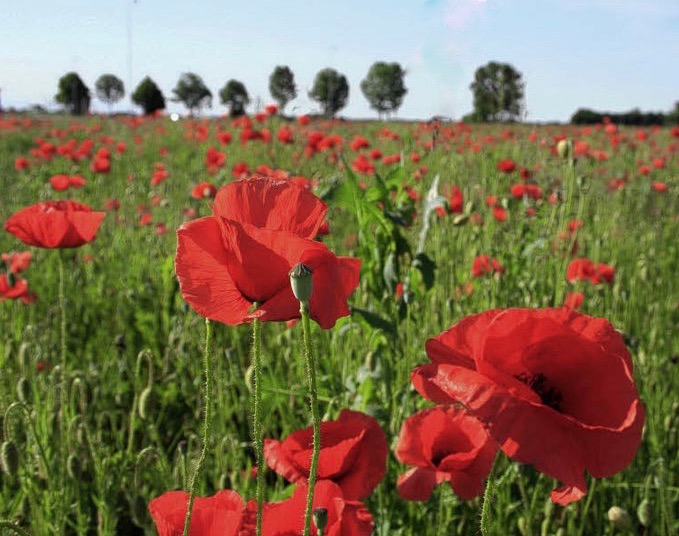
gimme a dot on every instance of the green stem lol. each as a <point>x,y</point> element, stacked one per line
<point>63,402</point>
<point>257,419</point>
<point>206,424</point>
<point>313,396</point>
<point>486,516</point>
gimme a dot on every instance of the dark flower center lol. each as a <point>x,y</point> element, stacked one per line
<point>549,395</point>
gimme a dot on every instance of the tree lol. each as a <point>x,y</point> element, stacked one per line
<point>192,91</point>
<point>331,90</point>
<point>235,96</point>
<point>282,85</point>
<point>498,93</point>
<point>148,96</point>
<point>73,94</point>
<point>109,88</point>
<point>383,87</point>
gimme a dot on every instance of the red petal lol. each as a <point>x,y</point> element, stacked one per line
<point>416,484</point>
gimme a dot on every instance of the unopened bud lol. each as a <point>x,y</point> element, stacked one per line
<point>73,467</point>
<point>9,458</point>
<point>565,148</point>
<point>147,403</point>
<point>320,518</point>
<point>301,281</point>
<point>619,518</point>
<point>645,513</point>
<point>24,390</point>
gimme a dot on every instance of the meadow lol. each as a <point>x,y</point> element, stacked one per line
<point>420,204</point>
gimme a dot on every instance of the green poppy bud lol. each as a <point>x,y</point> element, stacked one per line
<point>301,281</point>
<point>147,403</point>
<point>645,513</point>
<point>73,467</point>
<point>565,148</point>
<point>9,458</point>
<point>24,390</point>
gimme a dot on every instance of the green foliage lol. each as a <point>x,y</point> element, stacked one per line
<point>330,90</point>
<point>635,117</point>
<point>73,94</point>
<point>235,96</point>
<point>383,87</point>
<point>282,85</point>
<point>148,96</point>
<point>498,93</point>
<point>109,88</point>
<point>192,92</point>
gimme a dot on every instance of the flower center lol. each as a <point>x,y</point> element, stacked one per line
<point>549,395</point>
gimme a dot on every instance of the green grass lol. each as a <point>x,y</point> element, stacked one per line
<point>127,293</point>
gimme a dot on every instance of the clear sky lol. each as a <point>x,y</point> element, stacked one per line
<point>604,54</point>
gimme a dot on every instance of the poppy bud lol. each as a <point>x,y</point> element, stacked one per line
<point>301,281</point>
<point>521,524</point>
<point>9,458</point>
<point>24,390</point>
<point>619,518</point>
<point>147,403</point>
<point>645,513</point>
<point>565,148</point>
<point>224,481</point>
<point>21,355</point>
<point>320,518</point>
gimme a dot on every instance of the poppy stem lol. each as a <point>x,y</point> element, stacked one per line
<point>313,396</point>
<point>206,424</point>
<point>63,398</point>
<point>257,419</point>
<point>486,516</point>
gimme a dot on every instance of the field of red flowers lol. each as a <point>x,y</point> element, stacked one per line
<point>282,326</point>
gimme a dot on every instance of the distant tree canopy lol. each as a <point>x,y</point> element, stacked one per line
<point>73,94</point>
<point>192,92</point>
<point>584,116</point>
<point>498,93</point>
<point>148,96</point>
<point>109,88</point>
<point>330,90</point>
<point>235,96</point>
<point>672,118</point>
<point>383,87</point>
<point>282,85</point>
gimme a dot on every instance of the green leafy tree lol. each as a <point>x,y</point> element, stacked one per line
<point>330,90</point>
<point>192,92</point>
<point>148,96</point>
<point>73,94</point>
<point>383,87</point>
<point>235,96</point>
<point>498,93</point>
<point>672,118</point>
<point>109,88</point>
<point>282,85</point>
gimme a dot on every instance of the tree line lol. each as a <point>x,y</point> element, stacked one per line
<point>497,88</point>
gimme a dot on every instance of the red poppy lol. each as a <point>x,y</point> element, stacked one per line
<point>506,166</point>
<point>17,262</point>
<point>214,159</point>
<point>261,228</point>
<point>659,186</point>
<point>583,269</point>
<point>21,164</point>
<point>221,514</point>
<point>15,288</point>
<point>100,164</point>
<point>485,265</point>
<point>353,454</point>
<point>500,214</point>
<point>553,387</point>
<point>445,444</point>
<point>285,135</point>
<point>574,300</point>
<point>55,224</point>
<point>203,190</point>
<point>456,200</point>
<point>345,517</point>
<point>224,137</point>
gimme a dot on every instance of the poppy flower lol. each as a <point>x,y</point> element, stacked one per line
<point>261,228</point>
<point>345,516</point>
<point>55,224</point>
<point>285,135</point>
<point>554,388</point>
<point>506,166</point>
<point>500,214</point>
<point>16,262</point>
<point>15,288</point>
<point>353,454</point>
<point>574,300</point>
<point>21,164</point>
<point>456,200</point>
<point>485,265</point>
<point>221,514</point>
<point>659,186</point>
<point>214,159</point>
<point>203,190</point>
<point>445,444</point>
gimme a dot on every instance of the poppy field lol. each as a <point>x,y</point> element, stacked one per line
<point>271,325</point>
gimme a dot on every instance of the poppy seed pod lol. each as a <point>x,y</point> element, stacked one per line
<point>320,518</point>
<point>301,281</point>
<point>9,458</point>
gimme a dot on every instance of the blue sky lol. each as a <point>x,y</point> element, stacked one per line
<point>604,54</point>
